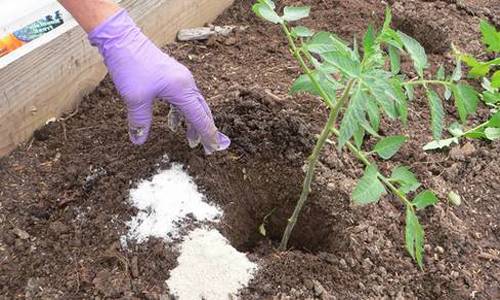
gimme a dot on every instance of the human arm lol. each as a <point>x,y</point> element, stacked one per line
<point>143,73</point>
<point>90,13</point>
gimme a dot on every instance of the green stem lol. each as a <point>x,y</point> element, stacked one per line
<point>306,188</point>
<point>480,126</point>
<point>305,68</point>
<point>312,161</point>
<point>362,157</point>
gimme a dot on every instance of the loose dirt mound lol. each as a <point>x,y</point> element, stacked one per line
<point>64,195</point>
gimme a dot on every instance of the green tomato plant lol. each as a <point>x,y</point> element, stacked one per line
<point>358,90</point>
<point>489,74</point>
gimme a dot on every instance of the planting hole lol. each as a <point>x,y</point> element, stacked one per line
<point>270,145</point>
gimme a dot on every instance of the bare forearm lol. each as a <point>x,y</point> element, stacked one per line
<point>90,13</point>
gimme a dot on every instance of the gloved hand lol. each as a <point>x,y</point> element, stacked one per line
<point>143,73</point>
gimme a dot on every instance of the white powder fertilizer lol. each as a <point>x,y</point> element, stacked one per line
<point>165,200</point>
<point>209,268</point>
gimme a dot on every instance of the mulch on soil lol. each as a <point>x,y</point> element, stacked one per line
<point>64,195</point>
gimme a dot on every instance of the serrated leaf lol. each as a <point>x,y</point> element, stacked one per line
<point>354,113</point>
<point>323,42</point>
<point>368,128</point>
<point>457,72</point>
<point>387,18</point>
<point>387,147</point>
<point>383,92</point>
<point>469,60</point>
<point>495,80</point>
<point>491,97</point>
<point>479,70</point>
<point>294,13</point>
<point>440,73</point>
<point>424,199</point>
<point>440,144</point>
<point>491,37</point>
<point>414,237</point>
<point>466,99</point>
<point>359,135</point>
<point>343,63</point>
<point>494,121</point>
<point>395,59</point>
<point>387,34</point>
<point>373,114</point>
<point>265,10</point>
<point>369,188</point>
<point>492,133</point>
<point>369,43</point>
<point>456,129</point>
<point>304,84</point>
<point>400,99</point>
<point>437,114</point>
<point>301,31</point>
<point>410,92</point>
<point>407,181</point>
<point>416,51</point>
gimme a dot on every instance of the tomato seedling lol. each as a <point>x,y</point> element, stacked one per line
<point>358,89</point>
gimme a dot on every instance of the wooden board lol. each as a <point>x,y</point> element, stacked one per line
<point>53,78</point>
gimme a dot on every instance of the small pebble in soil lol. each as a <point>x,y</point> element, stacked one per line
<point>439,249</point>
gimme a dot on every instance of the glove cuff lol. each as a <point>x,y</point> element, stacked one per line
<point>113,30</point>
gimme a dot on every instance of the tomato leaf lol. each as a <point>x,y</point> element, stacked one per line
<point>407,181</point>
<point>354,113</point>
<point>491,37</point>
<point>387,147</point>
<point>294,13</point>
<point>301,31</point>
<point>495,120</point>
<point>466,99</point>
<point>265,10</point>
<point>439,144</point>
<point>369,188</point>
<point>416,51</point>
<point>369,42</point>
<point>492,133</point>
<point>424,199</point>
<point>414,236</point>
<point>437,114</point>
<point>395,59</point>
<point>495,80</point>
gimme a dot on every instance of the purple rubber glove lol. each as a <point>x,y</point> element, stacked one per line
<point>143,73</point>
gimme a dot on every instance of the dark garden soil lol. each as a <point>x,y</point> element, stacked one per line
<point>64,195</point>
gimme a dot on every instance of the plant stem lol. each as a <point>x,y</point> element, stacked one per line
<point>305,68</point>
<point>306,187</point>
<point>387,182</point>
<point>312,161</point>
<point>480,126</point>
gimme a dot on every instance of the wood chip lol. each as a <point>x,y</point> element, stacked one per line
<point>203,33</point>
<point>23,235</point>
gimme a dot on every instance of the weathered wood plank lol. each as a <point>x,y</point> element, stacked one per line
<point>203,33</point>
<point>53,78</point>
